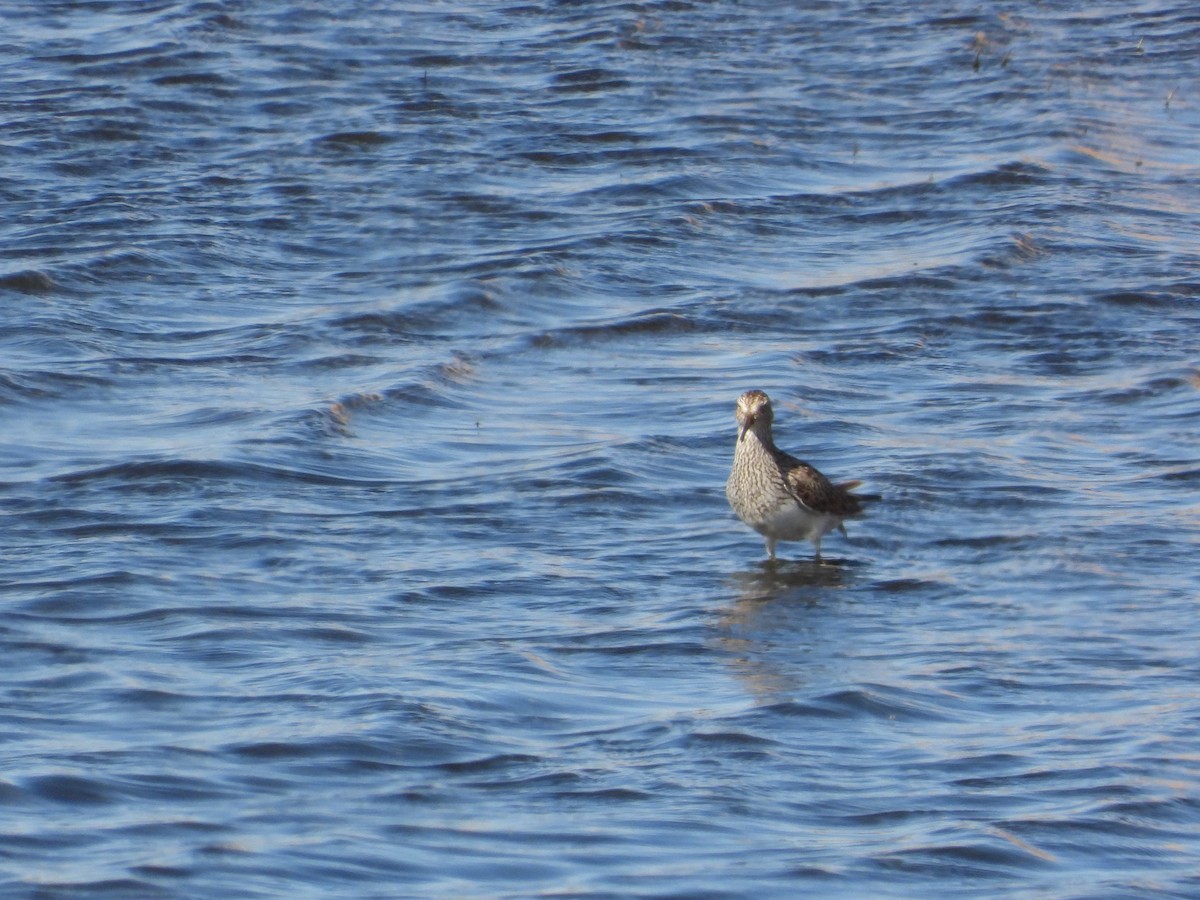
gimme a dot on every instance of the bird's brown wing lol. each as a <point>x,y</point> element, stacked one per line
<point>816,492</point>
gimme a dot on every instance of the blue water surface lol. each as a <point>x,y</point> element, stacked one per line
<point>367,375</point>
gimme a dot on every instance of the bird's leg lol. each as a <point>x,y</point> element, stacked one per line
<point>771,548</point>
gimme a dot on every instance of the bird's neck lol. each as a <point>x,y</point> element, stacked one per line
<point>758,439</point>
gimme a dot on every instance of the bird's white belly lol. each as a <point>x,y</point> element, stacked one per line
<point>792,522</point>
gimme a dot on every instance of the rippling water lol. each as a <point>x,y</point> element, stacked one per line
<point>366,380</point>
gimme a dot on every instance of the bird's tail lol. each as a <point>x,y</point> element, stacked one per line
<point>861,498</point>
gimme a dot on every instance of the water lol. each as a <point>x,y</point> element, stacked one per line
<point>367,377</point>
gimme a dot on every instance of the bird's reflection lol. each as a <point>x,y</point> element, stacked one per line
<point>777,579</point>
<point>778,623</point>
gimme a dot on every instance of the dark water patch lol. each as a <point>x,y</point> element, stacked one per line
<point>988,540</point>
<point>1180,810</point>
<point>170,476</point>
<point>885,706</point>
<point>336,636</point>
<point>353,140</point>
<point>158,871</point>
<point>1157,300</point>
<point>192,79</point>
<point>909,282</point>
<point>72,790</point>
<point>1089,780</point>
<point>648,324</point>
<point>69,595</point>
<point>632,646</point>
<point>424,321</point>
<point>1187,476</point>
<point>439,61</point>
<point>148,697</point>
<point>734,744</point>
<point>606,796</point>
<point>905,585</point>
<point>109,887</point>
<point>27,281</point>
<point>588,81</point>
<point>1154,389</point>
<point>1083,835</point>
<point>627,138</point>
<point>431,102</point>
<point>962,860</point>
<point>499,763</point>
<point>33,387</point>
<point>650,157</point>
<point>336,752</point>
<point>1013,174</point>
<point>818,709</point>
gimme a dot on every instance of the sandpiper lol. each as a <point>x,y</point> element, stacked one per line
<point>779,496</point>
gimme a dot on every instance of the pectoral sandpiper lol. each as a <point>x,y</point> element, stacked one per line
<point>779,496</point>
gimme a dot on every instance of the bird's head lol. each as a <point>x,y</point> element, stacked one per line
<point>753,411</point>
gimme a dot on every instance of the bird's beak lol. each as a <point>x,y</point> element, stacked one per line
<point>745,428</point>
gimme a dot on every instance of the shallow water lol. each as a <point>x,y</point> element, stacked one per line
<point>367,380</point>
